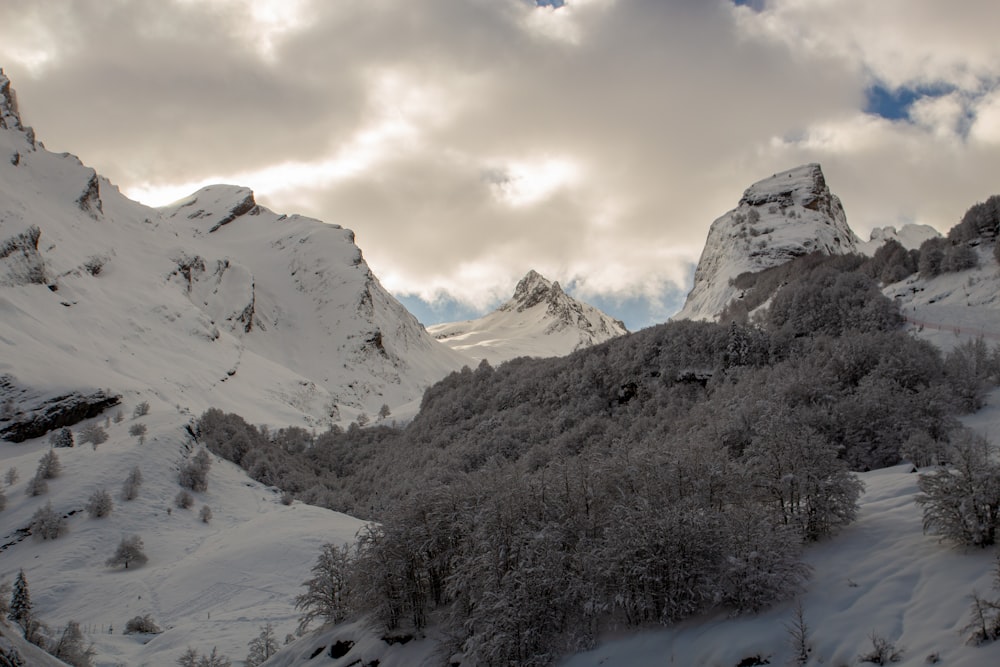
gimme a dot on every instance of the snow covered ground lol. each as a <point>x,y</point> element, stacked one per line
<point>206,584</point>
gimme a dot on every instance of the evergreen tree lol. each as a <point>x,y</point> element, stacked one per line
<point>49,466</point>
<point>20,602</point>
<point>130,488</point>
<point>36,486</point>
<point>189,658</point>
<point>61,438</point>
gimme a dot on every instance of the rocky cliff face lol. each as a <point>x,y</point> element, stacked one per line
<point>779,218</point>
<point>540,320</point>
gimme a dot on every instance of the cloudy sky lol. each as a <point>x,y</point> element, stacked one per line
<point>468,141</point>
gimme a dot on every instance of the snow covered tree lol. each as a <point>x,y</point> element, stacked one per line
<point>800,476</point>
<point>92,434</point>
<point>12,476</point>
<point>189,658</point>
<point>262,647</point>
<point>138,431</point>
<point>49,466</point>
<point>3,500</point>
<point>141,410</point>
<point>971,371</point>
<point>36,486</point>
<point>61,438</point>
<point>213,659</point>
<point>327,595</point>
<point>184,500</point>
<point>130,487</point>
<point>194,474</point>
<point>205,514</point>
<point>384,411</point>
<point>5,590</point>
<point>20,601</point>
<point>143,624</point>
<point>70,647</point>
<point>130,551</point>
<point>99,504</point>
<point>961,501</point>
<point>47,523</point>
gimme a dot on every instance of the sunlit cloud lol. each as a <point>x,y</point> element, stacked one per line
<point>525,183</point>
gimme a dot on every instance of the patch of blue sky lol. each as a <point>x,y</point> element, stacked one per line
<point>895,103</point>
<point>443,309</point>
<point>757,5</point>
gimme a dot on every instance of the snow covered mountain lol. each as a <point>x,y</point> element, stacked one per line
<point>779,218</point>
<point>540,320</point>
<point>214,300</point>
<point>106,304</point>
<point>909,236</point>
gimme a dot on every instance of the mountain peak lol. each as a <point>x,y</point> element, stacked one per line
<point>532,290</point>
<point>214,206</point>
<point>789,214</point>
<point>540,320</point>
<point>9,116</point>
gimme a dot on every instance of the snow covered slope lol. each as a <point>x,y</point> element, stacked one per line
<point>539,321</point>
<point>212,301</point>
<point>782,217</point>
<point>880,575</point>
<point>909,236</point>
<point>953,307</point>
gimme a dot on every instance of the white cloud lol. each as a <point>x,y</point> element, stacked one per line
<point>610,134</point>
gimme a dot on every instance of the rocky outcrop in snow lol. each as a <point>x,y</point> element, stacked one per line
<point>778,219</point>
<point>541,320</point>
<point>27,413</point>
<point>20,261</point>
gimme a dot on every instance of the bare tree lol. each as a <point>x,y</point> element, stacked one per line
<point>129,552</point>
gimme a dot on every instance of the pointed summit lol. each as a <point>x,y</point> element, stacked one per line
<point>790,214</point>
<point>532,290</point>
<point>10,117</point>
<point>541,320</point>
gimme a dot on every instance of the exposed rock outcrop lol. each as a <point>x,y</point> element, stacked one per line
<point>27,414</point>
<point>778,219</point>
<point>20,261</point>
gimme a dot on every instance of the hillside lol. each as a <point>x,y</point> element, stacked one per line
<point>212,301</point>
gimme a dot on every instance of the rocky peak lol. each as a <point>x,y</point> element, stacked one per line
<point>532,290</point>
<point>214,206</point>
<point>10,118</point>
<point>790,214</point>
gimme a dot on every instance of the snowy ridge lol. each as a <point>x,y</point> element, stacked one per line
<point>215,301</point>
<point>790,214</point>
<point>909,236</point>
<point>540,320</point>
<point>212,301</point>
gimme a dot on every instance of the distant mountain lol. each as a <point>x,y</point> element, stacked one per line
<point>540,320</point>
<point>779,218</point>
<point>214,300</point>
<point>909,236</point>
